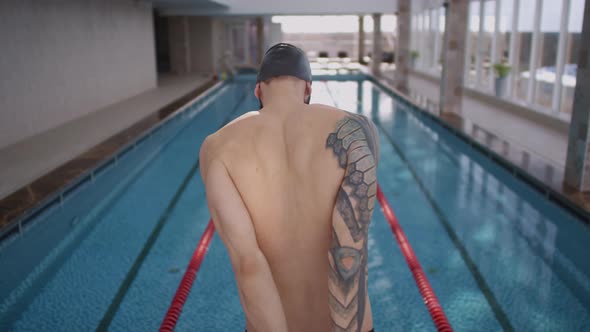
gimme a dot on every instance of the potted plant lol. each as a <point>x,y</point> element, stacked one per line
<point>414,56</point>
<point>502,71</point>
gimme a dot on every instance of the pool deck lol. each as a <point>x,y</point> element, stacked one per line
<point>33,169</point>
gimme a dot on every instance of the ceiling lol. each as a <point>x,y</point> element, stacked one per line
<point>274,7</point>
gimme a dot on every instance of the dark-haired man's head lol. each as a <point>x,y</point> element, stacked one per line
<point>284,69</point>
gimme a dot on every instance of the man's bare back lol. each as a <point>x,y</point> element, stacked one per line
<point>289,177</point>
<point>291,191</point>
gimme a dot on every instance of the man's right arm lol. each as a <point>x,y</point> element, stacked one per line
<point>355,144</point>
<point>258,291</point>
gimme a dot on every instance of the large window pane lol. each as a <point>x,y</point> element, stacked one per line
<point>548,48</point>
<point>505,26</point>
<point>440,37</point>
<point>525,33</point>
<point>486,70</point>
<point>415,37</point>
<point>471,43</point>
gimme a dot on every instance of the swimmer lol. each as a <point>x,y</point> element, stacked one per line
<point>291,190</point>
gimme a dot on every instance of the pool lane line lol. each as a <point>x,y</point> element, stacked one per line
<point>107,318</point>
<point>434,308</point>
<point>499,313</point>
<point>184,288</point>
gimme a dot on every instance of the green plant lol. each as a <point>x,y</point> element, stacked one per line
<point>502,69</point>
<point>414,54</point>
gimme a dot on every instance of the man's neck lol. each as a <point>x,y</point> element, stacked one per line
<point>283,96</point>
<point>283,104</point>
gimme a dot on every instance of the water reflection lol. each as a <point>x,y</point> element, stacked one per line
<point>511,232</point>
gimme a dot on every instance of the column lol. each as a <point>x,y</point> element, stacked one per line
<point>452,79</point>
<point>375,102</point>
<point>402,49</point>
<point>377,53</point>
<point>178,41</point>
<point>361,40</point>
<point>259,39</point>
<point>359,97</point>
<point>577,166</point>
<point>247,53</point>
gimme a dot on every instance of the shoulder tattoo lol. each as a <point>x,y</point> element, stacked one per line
<point>355,145</point>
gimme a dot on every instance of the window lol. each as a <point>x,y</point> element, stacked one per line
<point>440,34</point>
<point>471,43</point>
<point>539,39</point>
<point>426,43</point>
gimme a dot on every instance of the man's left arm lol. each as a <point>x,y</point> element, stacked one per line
<point>258,292</point>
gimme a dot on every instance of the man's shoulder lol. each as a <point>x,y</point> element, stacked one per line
<point>216,142</point>
<point>231,129</point>
<point>241,119</point>
<point>326,110</point>
<point>339,116</point>
<point>328,115</point>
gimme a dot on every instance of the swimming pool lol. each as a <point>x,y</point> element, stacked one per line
<point>110,255</point>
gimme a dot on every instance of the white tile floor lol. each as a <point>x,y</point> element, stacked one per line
<point>27,160</point>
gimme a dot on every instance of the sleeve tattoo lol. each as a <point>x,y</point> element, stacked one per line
<point>354,142</point>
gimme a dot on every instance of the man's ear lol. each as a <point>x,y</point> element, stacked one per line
<point>257,91</point>
<point>307,91</point>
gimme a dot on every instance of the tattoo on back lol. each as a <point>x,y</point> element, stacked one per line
<point>354,143</point>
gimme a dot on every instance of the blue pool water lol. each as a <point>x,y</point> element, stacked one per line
<point>498,254</point>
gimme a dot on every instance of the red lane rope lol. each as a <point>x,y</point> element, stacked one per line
<point>186,283</point>
<point>436,311</point>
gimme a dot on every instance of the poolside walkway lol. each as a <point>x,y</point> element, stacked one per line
<point>544,135</point>
<point>22,163</point>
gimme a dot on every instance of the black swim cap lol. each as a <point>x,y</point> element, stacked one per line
<point>284,60</point>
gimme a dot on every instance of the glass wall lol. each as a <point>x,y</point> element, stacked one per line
<point>471,43</point>
<point>334,38</point>
<point>533,43</point>
<point>486,37</point>
<point>523,49</point>
<point>537,39</point>
<point>427,33</point>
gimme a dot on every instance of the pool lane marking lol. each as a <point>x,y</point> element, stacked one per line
<point>184,288</point>
<point>434,308</point>
<point>499,313</point>
<point>107,318</point>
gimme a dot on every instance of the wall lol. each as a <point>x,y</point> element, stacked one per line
<point>64,59</point>
<point>200,45</point>
<point>274,7</point>
<point>196,44</point>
